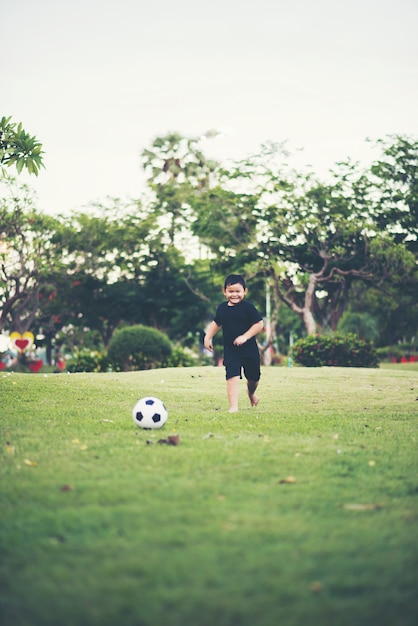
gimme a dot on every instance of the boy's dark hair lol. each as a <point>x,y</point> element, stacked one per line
<point>235,279</point>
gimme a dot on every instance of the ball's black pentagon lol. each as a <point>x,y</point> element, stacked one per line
<point>150,401</point>
<point>156,418</point>
<point>139,416</point>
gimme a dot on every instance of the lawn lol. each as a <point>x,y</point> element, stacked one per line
<point>302,511</point>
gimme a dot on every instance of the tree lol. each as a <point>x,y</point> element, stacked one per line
<point>18,148</point>
<point>118,269</point>
<point>313,239</point>
<point>174,166</point>
<point>396,182</point>
<point>328,236</point>
<point>394,313</point>
<point>27,256</point>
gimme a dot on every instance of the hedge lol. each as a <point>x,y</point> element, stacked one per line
<point>334,350</point>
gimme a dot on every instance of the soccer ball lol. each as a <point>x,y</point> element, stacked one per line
<point>149,413</point>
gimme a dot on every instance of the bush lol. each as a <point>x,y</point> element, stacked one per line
<point>138,348</point>
<point>334,350</point>
<point>181,357</point>
<point>88,361</point>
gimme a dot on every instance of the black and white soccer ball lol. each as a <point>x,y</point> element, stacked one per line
<point>149,413</point>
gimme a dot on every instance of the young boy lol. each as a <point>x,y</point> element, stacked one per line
<point>240,322</point>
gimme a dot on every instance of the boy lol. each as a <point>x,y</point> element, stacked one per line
<point>240,322</point>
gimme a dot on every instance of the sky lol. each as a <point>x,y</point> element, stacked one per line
<point>97,80</point>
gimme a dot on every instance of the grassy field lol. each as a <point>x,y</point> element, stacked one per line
<point>302,511</point>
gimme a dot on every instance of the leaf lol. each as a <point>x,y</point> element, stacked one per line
<point>172,440</point>
<point>289,480</point>
<point>30,463</point>
<point>19,165</point>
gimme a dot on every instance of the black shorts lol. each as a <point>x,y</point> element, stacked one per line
<point>251,366</point>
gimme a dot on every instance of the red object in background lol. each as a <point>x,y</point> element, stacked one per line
<point>404,359</point>
<point>22,344</point>
<point>61,364</point>
<point>2,365</point>
<point>35,366</point>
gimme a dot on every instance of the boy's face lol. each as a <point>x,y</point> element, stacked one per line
<point>235,293</point>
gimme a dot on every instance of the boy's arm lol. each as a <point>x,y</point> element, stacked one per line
<point>251,332</point>
<point>210,333</point>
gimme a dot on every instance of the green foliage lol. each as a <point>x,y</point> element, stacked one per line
<point>363,325</point>
<point>175,166</point>
<point>138,348</point>
<point>27,253</point>
<point>334,350</point>
<point>396,173</point>
<point>181,357</point>
<point>325,248</point>
<point>178,159</point>
<point>323,236</point>
<point>18,148</point>
<point>85,360</point>
<point>395,313</point>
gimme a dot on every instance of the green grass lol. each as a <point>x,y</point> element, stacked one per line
<point>99,527</point>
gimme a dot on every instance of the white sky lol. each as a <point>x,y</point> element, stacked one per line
<point>97,80</point>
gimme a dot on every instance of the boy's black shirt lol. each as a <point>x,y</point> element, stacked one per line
<point>235,321</point>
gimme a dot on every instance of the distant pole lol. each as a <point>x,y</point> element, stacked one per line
<point>267,353</point>
<point>289,358</point>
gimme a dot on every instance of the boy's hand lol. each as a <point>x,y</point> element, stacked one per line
<point>208,344</point>
<point>241,339</point>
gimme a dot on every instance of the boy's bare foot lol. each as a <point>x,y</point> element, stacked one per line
<point>251,387</point>
<point>233,410</point>
<point>254,400</point>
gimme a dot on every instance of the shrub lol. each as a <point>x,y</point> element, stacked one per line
<point>334,350</point>
<point>138,348</point>
<point>181,357</point>
<point>88,361</point>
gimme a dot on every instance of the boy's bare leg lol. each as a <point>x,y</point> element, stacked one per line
<point>232,388</point>
<point>251,387</point>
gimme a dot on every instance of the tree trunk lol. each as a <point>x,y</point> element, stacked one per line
<point>309,321</point>
<point>307,311</point>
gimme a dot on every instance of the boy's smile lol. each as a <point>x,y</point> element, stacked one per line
<point>234,294</point>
